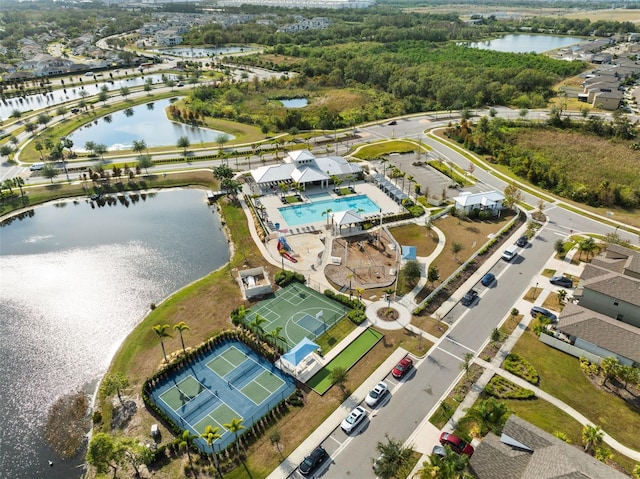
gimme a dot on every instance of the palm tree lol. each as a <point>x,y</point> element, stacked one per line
<point>326,212</point>
<point>139,146</point>
<point>393,460</point>
<point>587,245</point>
<point>338,376</point>
<point>210,435</point>
<point>388,292</point>
<point>609,367</point>
<point>466,362</point>
<point>636,472</point>
<point>275,335</point>
<point>186,441</point>
<point>450,466</point>
<point>184,143</point>
<point>384,162</point>
<point>234,427</point>
<point>256,325</point>
<point>591,437</point>
<point>489,415</point>
<point>181,326</point>
<point>161,331</point>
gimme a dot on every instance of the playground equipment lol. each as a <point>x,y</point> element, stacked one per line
<point>284,250</point>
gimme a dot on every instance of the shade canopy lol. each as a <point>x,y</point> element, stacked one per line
<point>408,252</point>
<point>300,351</point>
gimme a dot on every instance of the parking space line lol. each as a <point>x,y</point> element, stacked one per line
<point>450,354</point>
<point>459,344</point>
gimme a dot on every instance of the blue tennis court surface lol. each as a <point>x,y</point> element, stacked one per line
<point>231,381</point>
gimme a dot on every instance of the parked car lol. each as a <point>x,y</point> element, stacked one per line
<point>522,241</point>
<point>313,461</point>
<point>456,444</point>
<point>354,418</point>
<point>392,123</point>
<point>36,166</point>
<point>540,311</point>
<point>510,253</point>
<point>469,298</point>
<point>376,394</point>
<point>487,279</point>
<point>402,368</point>
<point>561,281</point>
<point>439,450</point>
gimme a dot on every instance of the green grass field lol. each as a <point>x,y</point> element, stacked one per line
<point>321,382</point>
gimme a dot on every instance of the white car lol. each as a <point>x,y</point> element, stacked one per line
<point>376,394</point>
<point>354,418</point>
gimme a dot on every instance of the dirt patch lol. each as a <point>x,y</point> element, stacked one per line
<point>366,261</point>
<point>388,314</point>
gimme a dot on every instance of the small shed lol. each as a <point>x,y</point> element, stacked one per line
<point>254,282</point>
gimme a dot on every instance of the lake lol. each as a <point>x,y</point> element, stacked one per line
<point>146,122</point>
<point>76,279</point>
<point>525,43</point>
<point>200,52</point>
<point>294,102</point>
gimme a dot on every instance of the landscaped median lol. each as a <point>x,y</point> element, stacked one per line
<point>323,379</point>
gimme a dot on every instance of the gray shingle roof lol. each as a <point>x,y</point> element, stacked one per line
<point>615,336</point>
<point>551,457</point>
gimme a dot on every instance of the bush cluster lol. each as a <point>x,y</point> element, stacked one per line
<point>284,277</point>
<point>519,366</point>
<point>502,388</point>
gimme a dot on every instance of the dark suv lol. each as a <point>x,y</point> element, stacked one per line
<point>313,461</point>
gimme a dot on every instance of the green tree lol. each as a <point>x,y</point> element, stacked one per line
<point>148,85</point>
<point>275,336</point>
<point>256,325</point>
<point>327,212</point>
<point>512,195</point>
<point>603,454</point>
<point>49,171</point>
<point>6,150</point>
<point>456,247</point>
<point>100,149</point>
<point>138,146</point>
<point>61,111</point>
<point>609,368</point>
<point>19,182</point>
<point>275,437</point>
<point>562,295</point>
<point>211,435</point>
<point>145,161</point>
<point>591,437</point>
<point>103,96</point>
<point>388,292</point>
<point>394,459</point>
<point>161,331</point>
<point>180,327</point>
<point>339,376</point>
<point>488,415</point>
<point>125,92</point>
<point>636,472</point>
<point>234,427</point>
<point>135,453</point>
<point>433,274</point>
<point>450,466</point>
<point>587,245</point>
<point>411,272</point>
<point>221,140</point>
<point>104,452</point>
<point>114,383</point>
<point>184,143</point>
<point>559,246</point>
<point>221,172</point>
<point>185,443</point>
<point>628,374</point>
<point>231,186</point>
<point>467,361</point>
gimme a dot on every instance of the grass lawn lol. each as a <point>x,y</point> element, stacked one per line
<point>335,334</point>
<point>561,376</point>
<point>385,148</point>
<point>421,237</point>
<point>321,381</point>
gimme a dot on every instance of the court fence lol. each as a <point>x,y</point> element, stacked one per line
<point>185,361</point>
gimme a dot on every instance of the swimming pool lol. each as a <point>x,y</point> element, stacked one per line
<point>296,215</point>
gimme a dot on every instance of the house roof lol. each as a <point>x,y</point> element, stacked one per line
<point>615,336</point>
<point>308,174</point>
<point>347,217</point>
<point>321,169</point>
<point>337,165</point>
<point>484,198</point>
<point>547,457</point>
<point>269,173</point>
<point>610,282</point>
<point>297,155</point>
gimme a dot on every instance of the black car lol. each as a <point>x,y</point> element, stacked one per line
<point>469,298</point>
<point>540,311</point>
<point>561,281</point>
<point>312,461</point>
<point>522,241</point>
<point>392,123</point>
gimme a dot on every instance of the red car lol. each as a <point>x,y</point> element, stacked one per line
<point>402,368</point>
<point>456,444</point>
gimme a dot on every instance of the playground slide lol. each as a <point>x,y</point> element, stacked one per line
<point>288,256</point>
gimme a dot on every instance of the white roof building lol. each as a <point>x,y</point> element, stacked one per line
<point>304,168</point>
<point>487,200</point>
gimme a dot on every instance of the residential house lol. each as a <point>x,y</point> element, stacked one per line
<point>524,451</point>
<point>485,201</point>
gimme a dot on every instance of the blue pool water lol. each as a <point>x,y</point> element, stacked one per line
<point>312,212</point>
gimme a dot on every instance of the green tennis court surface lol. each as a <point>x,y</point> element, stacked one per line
<point>231,359</point>
<point>299,311</point>
<point>223,414</point>
<point>321,381</point>
<point>182,392</point>
<point>262,387</point>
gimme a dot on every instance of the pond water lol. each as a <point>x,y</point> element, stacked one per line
<point>525,43</point>
<point>294,103</point>
<point>76,279</point>
<point>146,122</point>
<point>57,97</point>
<point>199,52</point>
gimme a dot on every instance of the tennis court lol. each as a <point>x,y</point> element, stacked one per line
<point>229,382</point>
<point>300,312</point>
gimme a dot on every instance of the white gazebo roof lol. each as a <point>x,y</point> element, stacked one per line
<point>307,174</point>
<point>273,173</point>
<point>348,217</point>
